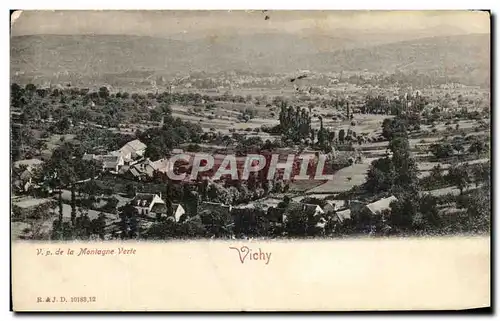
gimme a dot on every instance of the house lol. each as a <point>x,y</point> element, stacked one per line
<point>133,149</point>
<point>161,165</point>
<point>321,224</point>
<point>175,216</point>
<point>331,206</point>
<point>379,206</point>
<point>158,209</point>
<point>343,215</point>
<point>310,209</point>
<point>144,202</point>
<point>144,169</point>
<point>178,211</point>
<point>91,157</point>
<point>112,163</point>
<point>24,170</point>
<point>23,181</point>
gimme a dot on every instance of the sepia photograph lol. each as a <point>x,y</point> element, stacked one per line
<point>247,126</point>
<point>273,128</point>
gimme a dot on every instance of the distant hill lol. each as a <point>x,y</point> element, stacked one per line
<point>90,59</point>
<point>465,55</point>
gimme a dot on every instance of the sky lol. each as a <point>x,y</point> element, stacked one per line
<point>167,23</point>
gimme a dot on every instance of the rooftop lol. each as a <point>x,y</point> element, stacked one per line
<point>344,215</point>
<point>381,204</point>
<point>136,145</point>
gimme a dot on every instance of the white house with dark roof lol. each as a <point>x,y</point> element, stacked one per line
<point>112,163</point>
<point>144,202</point>
<point>133,149</point>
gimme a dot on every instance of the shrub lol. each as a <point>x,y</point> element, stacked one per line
<point>193,148</point>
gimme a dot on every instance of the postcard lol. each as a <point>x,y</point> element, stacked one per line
<point>257,160</point>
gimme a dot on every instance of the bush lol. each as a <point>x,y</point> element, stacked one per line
<point>194,148</point>
<point>441,150</point>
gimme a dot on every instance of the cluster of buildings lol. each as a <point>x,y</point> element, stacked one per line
<point>152,205</point>
<point>130,153</point>
<point>129,160</point>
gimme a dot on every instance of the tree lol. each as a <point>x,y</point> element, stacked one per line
<point>405,167</point>
<point>73,206</point>
<point>161,230</point>
<point>436,174</point>
<point>478,147</point>
<point>83,226</point>
<point>59,225</point>
<point>441,151</point>
<point>403,212</point>
<point>341,136</point>
<point>387,128</point>
<point>479,211</point>
<point>129,222</point>
<point>62,126</point>
<point>394,127</point>
<point>380,175</point>
<point>458,145</point>
<point>130,189</point>
<point>428,209</point>
<point>459,176</point>
<point>251,222</point>
<point>30,88</point>
<point>99,225</point>
<point>216,224</point>
<point>103,92</point>
<point>313,200</point>
<point>300,223</point>
<point>297,223</point>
